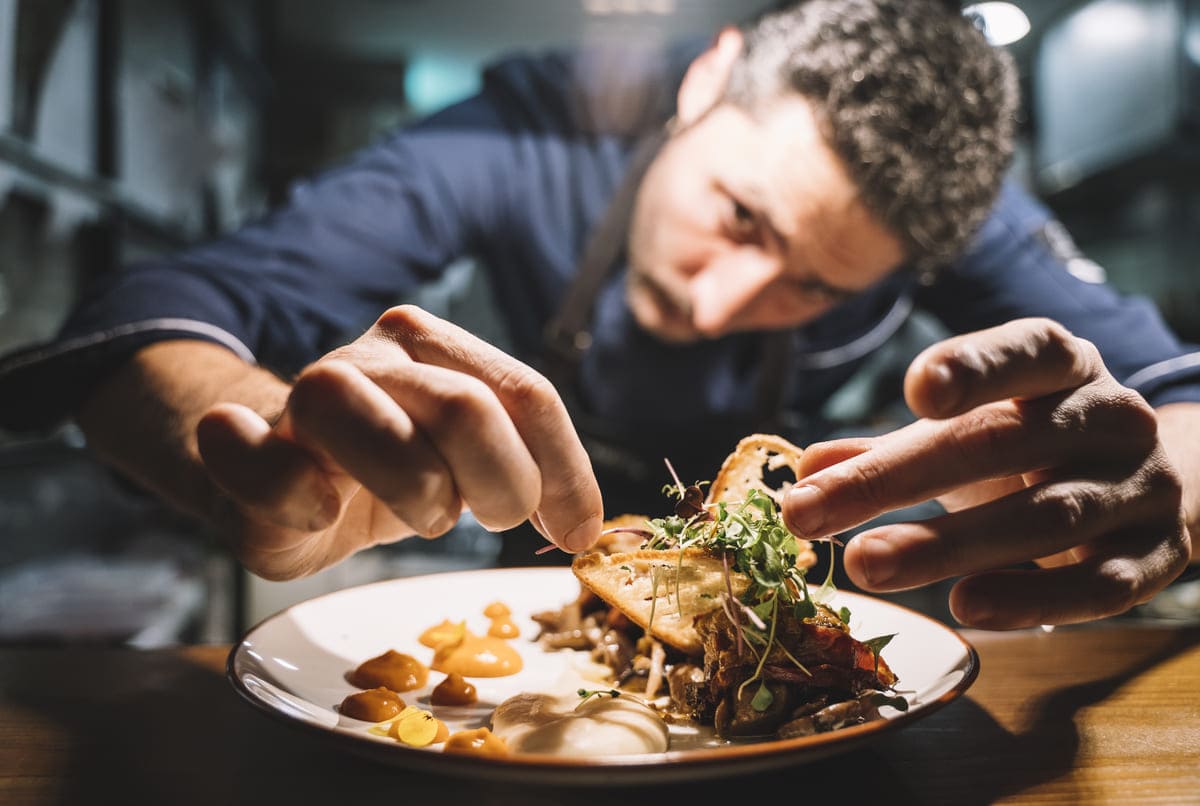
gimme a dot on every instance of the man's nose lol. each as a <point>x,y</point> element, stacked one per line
<point>725,288</point>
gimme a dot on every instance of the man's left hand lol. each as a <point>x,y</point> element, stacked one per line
<point>1037,454</point>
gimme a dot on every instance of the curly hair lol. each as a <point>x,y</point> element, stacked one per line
<point>911,96</point>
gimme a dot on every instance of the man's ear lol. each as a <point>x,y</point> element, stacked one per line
<point>706,77</point>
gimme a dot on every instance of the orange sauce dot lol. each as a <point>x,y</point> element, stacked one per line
<point>477,656</point>
<point>373,705</point>
<point>480,742</point>
<point>393,670</point>
<point>454,690</point>
<point>503,627</point>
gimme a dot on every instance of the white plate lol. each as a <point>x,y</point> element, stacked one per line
<point>293,667</point>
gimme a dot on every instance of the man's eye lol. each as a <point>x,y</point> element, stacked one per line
<point>743,223</point>
<point>820,292</point>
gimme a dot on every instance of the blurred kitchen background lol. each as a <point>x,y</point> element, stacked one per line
<point>130,127</point>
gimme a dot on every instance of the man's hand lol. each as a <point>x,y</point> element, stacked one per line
<point>390,436</point>
<point>1037,454</point>
<point>394,435</point>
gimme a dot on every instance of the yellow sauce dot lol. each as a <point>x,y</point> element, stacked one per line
<point>415,727</point>
<point>447,631</point>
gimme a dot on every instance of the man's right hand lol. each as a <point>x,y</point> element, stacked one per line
<point>390,436</point>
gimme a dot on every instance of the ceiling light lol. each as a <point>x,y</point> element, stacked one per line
<point>1001,23</point>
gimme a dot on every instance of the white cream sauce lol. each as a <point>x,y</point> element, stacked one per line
<point>567,725</point>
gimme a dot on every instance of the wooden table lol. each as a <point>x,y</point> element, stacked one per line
<point>1098,714</point>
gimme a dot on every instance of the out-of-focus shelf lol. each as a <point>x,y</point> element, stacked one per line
<point>25,159</point>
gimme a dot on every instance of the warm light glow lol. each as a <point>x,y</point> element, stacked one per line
<point>1002,23</point>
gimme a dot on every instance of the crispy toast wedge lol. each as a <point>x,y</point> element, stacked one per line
<point>664,591</point>
<point>660,591</point>
<point>745,469</point>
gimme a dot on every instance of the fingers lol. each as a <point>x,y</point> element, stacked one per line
<point>1050,459</point>
<point>419,436</point>
<point>1127,570</point>
<point>916,463</point>
<point>394,434</point>
<point>1026,358</point>
<point>569,505</point>
<point>821,455</point>
<point>272,477</point>
<point>1048,518</point>
<point>931,458</point>
<point>281,503</point>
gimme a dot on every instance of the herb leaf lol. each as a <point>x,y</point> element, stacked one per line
<point>752,538</point>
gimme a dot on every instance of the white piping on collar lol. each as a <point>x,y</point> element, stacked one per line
<point>212,332</point>
<point>873,339</point>
<point>1157,370</point>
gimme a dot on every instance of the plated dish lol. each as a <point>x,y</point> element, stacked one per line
<point>294,667</point>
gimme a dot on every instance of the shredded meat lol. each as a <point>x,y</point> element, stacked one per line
<point>820,678</point>
<point>831,717</point>
<point>833,667</point>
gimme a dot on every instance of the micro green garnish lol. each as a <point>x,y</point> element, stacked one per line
<point>763,697</point>
<point>827,589</point>
<point>879,699</point>
<point>587,694</point>
<point>876,646</point>
<point>655,575</point>
<point>805,609</point>
<point>750,537</point>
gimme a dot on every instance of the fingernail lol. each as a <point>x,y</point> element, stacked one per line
<point>976,614</point>
<point>878,558</point>
<point>946,393</point>
<point>805,513</point>
<point>584,535</point>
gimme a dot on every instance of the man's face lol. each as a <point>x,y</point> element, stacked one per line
<point>749,221</point>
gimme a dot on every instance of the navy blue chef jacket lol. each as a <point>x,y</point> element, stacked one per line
<point>516,177</point>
